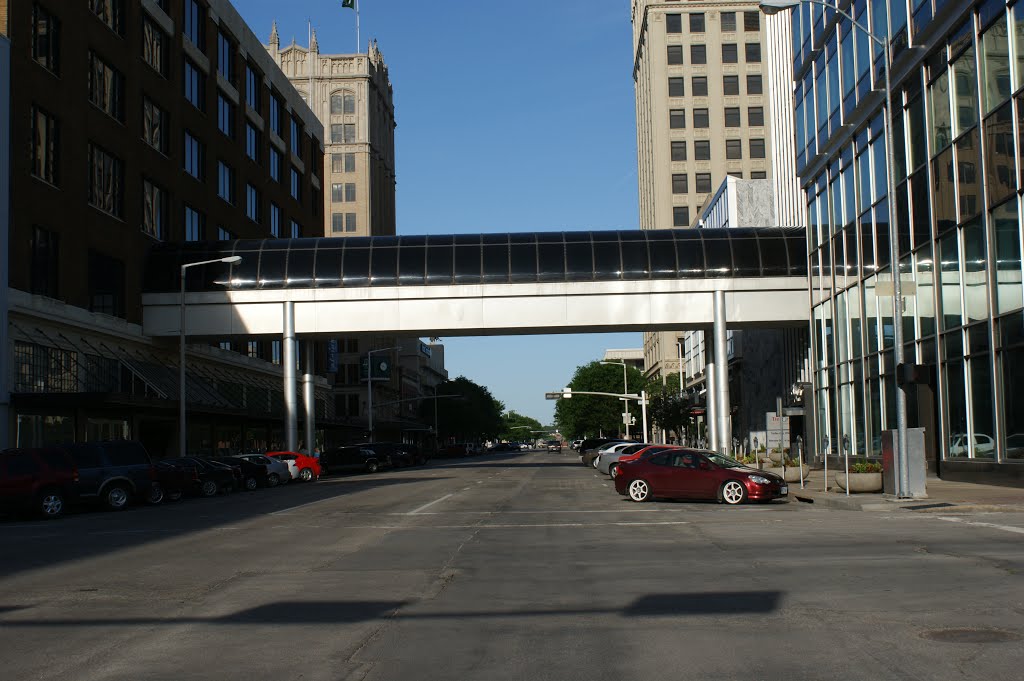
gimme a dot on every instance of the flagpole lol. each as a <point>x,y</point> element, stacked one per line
<point>358,41</point>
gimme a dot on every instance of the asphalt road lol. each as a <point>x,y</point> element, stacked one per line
<point>525,567</point>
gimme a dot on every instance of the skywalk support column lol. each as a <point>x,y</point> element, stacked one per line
<point>291,413</point>
<point>722,408</point>
<point>308,396</point>
<point>710,402</point>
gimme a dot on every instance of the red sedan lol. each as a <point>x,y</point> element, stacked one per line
<point>696,474</point>
<point>308,467</point>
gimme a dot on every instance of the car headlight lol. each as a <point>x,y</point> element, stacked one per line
<point>760,480</point>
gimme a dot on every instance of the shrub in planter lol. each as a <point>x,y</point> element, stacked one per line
<point>865,476</point>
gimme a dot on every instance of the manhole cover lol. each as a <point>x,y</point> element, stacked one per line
<point>970,635</point>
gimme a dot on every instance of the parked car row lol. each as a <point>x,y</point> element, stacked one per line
<point>644,471</point>
<point>369,457</point>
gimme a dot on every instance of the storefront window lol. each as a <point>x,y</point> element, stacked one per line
<point>35,430</point>
<point>975,271</point>
<point>1012,375</point>
<point>925,276</point>
<point>97,430</point>
<point>871,313</point>
<point>949,282</point>
<point>956,411</point>
<point>995,65</point>
<point>1008,267</point>
<point>981,406</point>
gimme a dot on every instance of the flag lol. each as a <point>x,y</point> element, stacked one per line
<point>351,4</point>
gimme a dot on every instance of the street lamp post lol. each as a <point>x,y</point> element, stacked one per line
<point>369,389</point>
<point>625,389</point>
<point>231,259</point>
<point>770,7</point>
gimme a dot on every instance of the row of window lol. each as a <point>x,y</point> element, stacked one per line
<point>105,287</point>
<point>727,22</point>
<point>702,150</point>
<point>699,54</point>
<point>701,117</point>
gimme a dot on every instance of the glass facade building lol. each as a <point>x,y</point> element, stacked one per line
<point>957,77</point>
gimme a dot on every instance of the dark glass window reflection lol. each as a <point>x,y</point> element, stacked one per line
<point>467,264</point>
<point>746,257</point>
<point>690,255</point>
<point>551,262</point>
<point>327,272</point>
<point>635,264</point>
<point>411,264</point>
<point>579,260</point>
<point>272,268</point>
<point>607,259</point>
<point>355,268</point>
<point>774,256</point>
<point>383,266</point>
<point>523,258</point>
<point>495,263</point>
<point>300,267</point>
<point>440,260</point>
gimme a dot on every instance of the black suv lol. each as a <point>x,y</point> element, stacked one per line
<point>354,458</point>
<point>115,473</point>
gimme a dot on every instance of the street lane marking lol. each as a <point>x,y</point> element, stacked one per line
<point>508,526</point>
<point>428,505</point>
<point>1005,528</point>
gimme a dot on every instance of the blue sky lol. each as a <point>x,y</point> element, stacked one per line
<point>512,117</point>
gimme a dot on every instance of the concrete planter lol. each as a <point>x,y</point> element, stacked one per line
<point>790,474</point>
<point>860,482</point>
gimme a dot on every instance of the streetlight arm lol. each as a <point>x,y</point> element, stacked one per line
<point>772,7</point>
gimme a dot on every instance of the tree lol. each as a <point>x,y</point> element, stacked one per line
<point>516,427</point>
<point>590,415</point>
<point>668,409</point>
<point>471,414</point>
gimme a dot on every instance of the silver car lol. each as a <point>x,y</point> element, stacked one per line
<point>277,471</point>
<point>611,454</point>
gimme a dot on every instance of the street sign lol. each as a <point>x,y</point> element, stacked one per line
<point>552,396</point>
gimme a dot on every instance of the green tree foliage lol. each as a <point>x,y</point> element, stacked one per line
<point>518,428</point>
<point>668,410</point>
<point>588,415</point>
<point>472,415</point>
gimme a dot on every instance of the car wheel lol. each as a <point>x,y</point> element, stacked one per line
<point>155,496</point>
<point>273,480</point>
<point>116,497</point>
<point>733,493</point>
<point>174,495</point>
<point>209,488</point>
<point>251,484</point>
<point>639,490</point>
<point>305,475</point>
<point>372,467</point>
<point>51,504</point>
<point>613,470</point>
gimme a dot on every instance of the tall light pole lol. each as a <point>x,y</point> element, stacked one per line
<point>369,389</point>
<point>770,7</point>
<point>231,259</point>
<point>625,389</point>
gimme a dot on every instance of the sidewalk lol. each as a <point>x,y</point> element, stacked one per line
<point>943,497</point>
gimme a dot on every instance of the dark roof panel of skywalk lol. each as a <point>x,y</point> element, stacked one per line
<point>435,260</point>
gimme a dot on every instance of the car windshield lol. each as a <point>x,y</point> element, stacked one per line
<point>723,461</point>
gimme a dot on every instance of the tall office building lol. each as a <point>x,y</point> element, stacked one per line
<point>351,95</point>
<point>140,123</point>
<point>958,99</point>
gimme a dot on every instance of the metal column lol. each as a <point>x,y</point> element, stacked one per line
<point>710,386</point>
<point>722,409</point>
<point>5,350</point>
<point>291,413</point>
<point>308,397</point>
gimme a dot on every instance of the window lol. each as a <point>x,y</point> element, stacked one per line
<point>296,184</point>
<point>276,111</point>
<point>349,103</point>
<point>253,141</point>
<point>226,57</point>
<point>680,183</point>
<point>673,23</point>
<point>676,87</point>
<point>350,133</point>
<point>728,20</point>
<point>757,148</point>
<point>106,285</point>
<point>700,86</point>
<point>677,119</point>
<point>106,178</point>
<point>337,192</point>
<point>45,146</point>
<point>698,54</point>
<point>195,156</point>
<point>678,150</point>
<point>224,235</point>
<point>680,216</point>
<point>758,175</point>
<point>296,230</point>
<point>296,137</point>
<point>154,125</point>
<point>350,222</point>
<point>275,164</point>
<point>195,86</point>
<point>195,23</point>
<point>45,262</point>
<point>696,22</point>
<point>195,224</point>
<point>226,182</point>
<point>337,223</point>
<point>751,21</point>
<point>734,149</point>
<point>702,150</point>
<point>703,183</point>
<point>337,133</point>
<point>729,53</point>
<point>275,220</point>
<point>252,203</point>
<point>732,117</point>
<point>753,53</point>
<point>730,85</point>
<point>154,46</point>
<point>700,118</point>
<point>106,87</point>
<point>755,116</point>
<point>45,39</point>
<point>343,163</point>
<point>110,12</point>
<point>225,116</point>
<point>754,85</point>
<point>154,209</point>
<point>253,85</point>
<point>674,55</point>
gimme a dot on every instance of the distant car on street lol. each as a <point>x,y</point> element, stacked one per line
<point>554,445</point>
<point>307,466</point>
